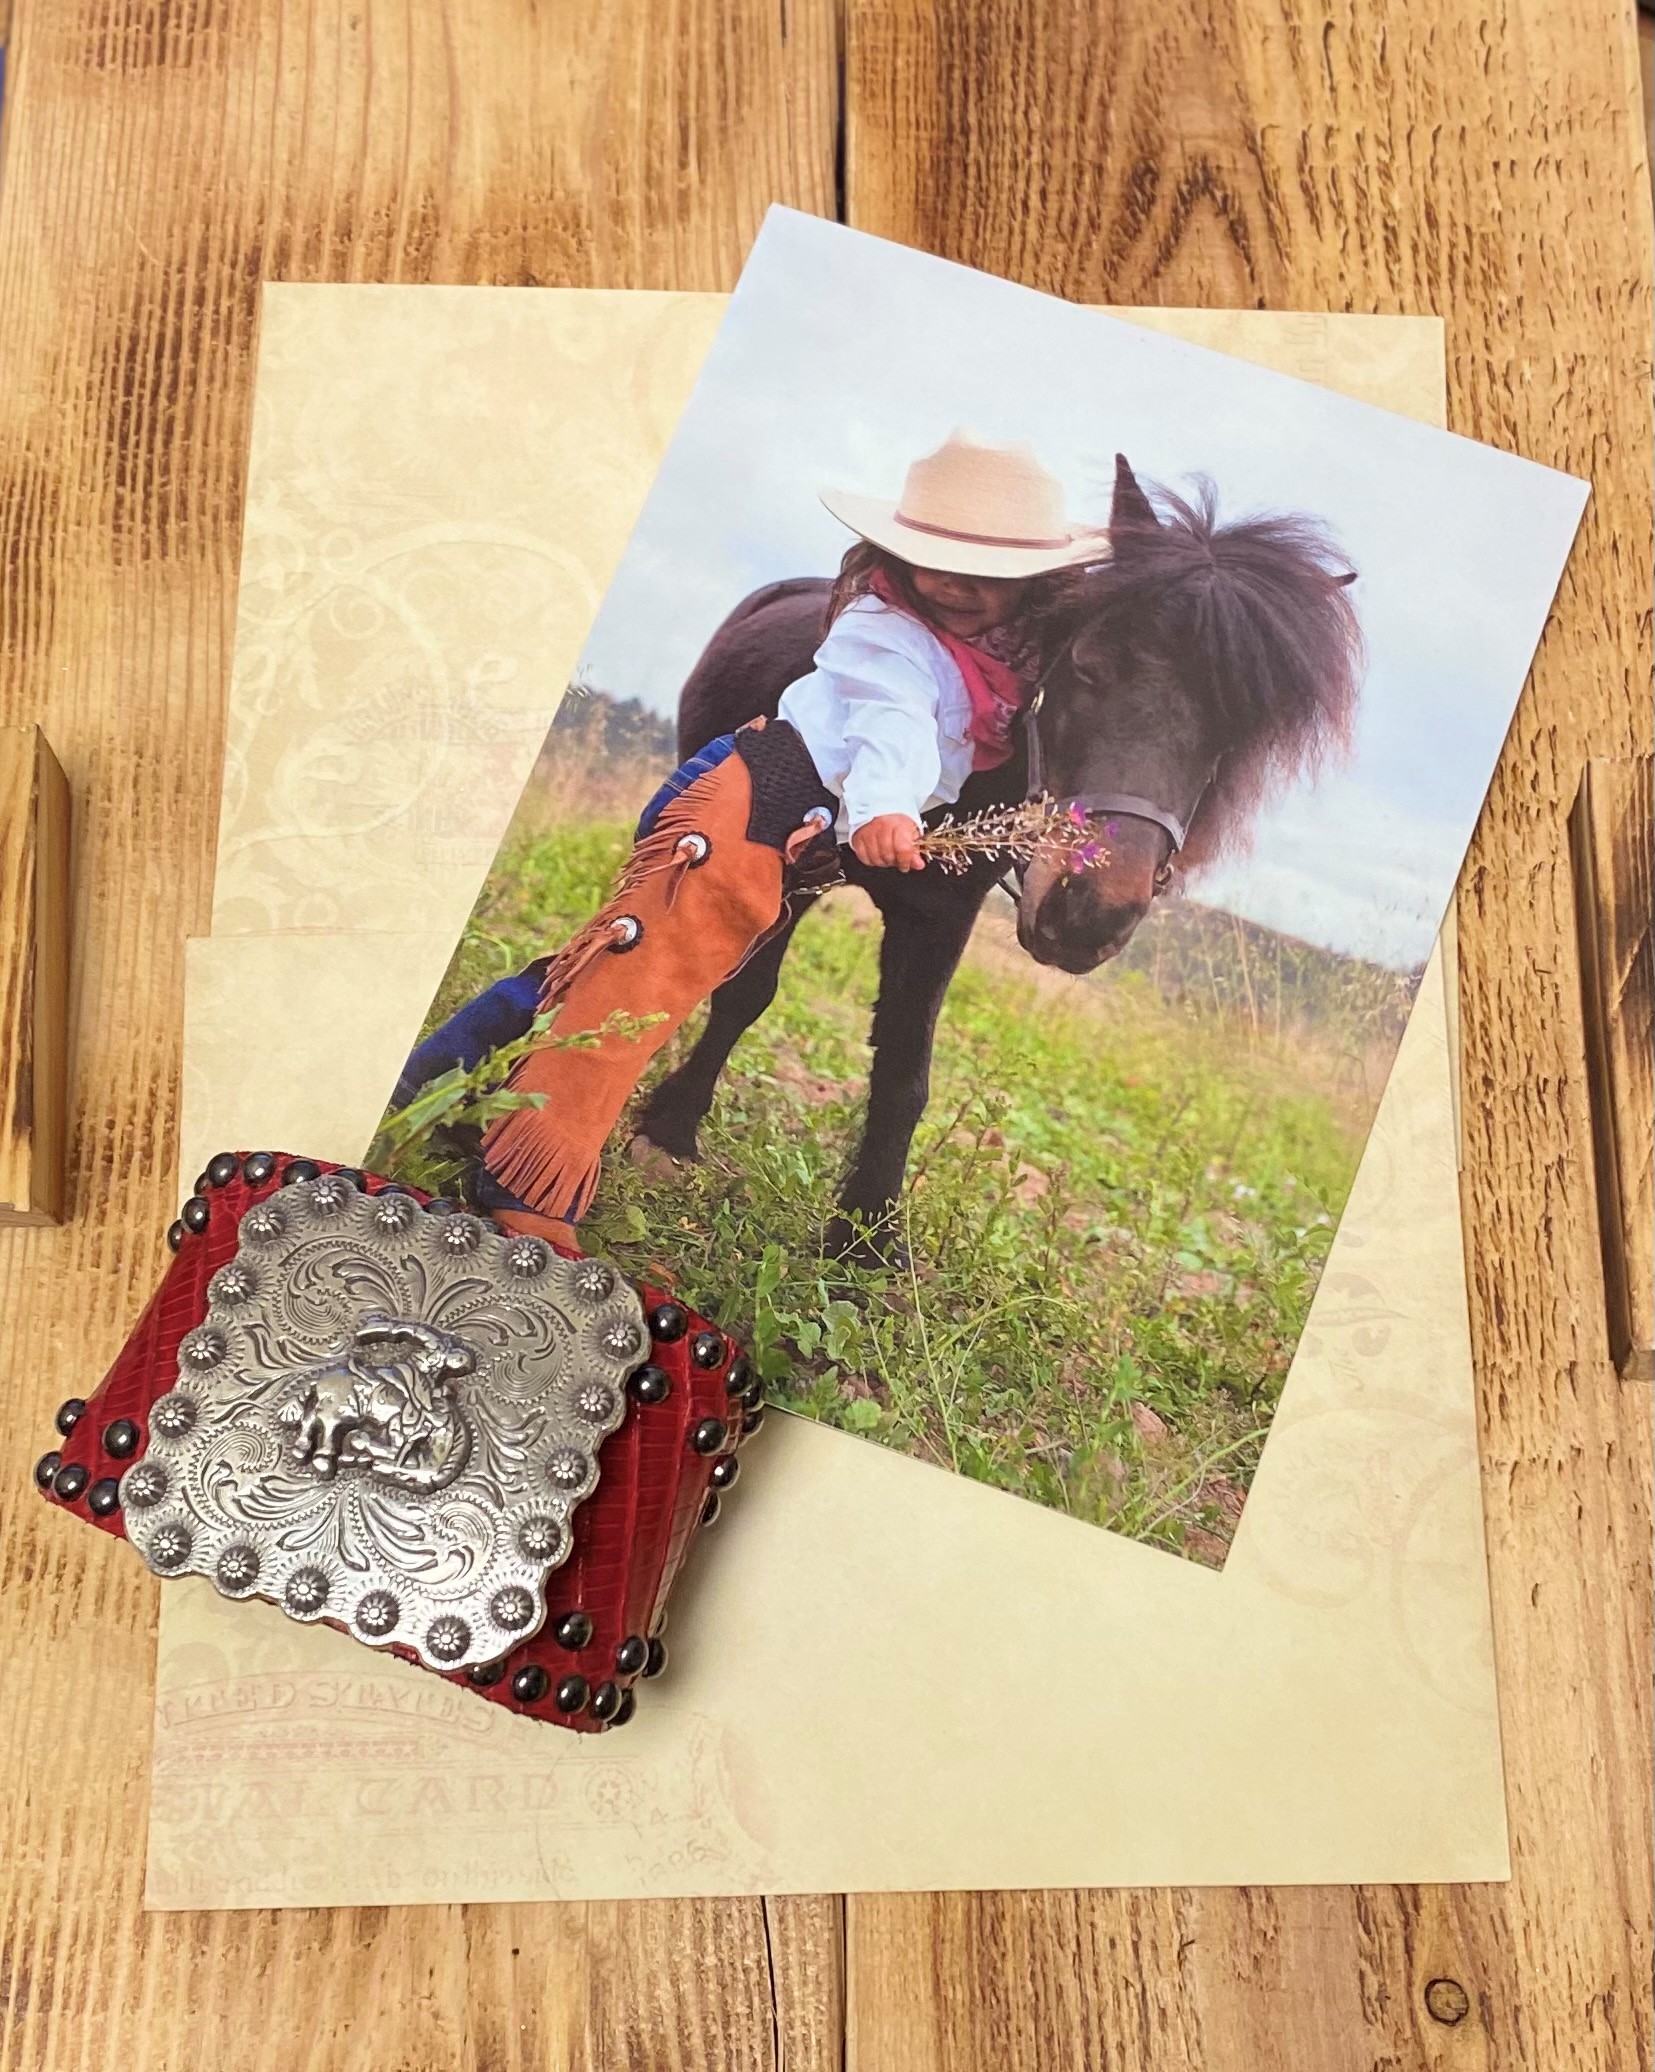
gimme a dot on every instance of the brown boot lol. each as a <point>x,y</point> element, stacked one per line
<point>694,901</point>
<point>530,1223</point>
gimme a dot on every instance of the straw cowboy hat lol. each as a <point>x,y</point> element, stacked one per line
<point>974,510</point>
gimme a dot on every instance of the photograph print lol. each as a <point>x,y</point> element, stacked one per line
<point>964,913</point>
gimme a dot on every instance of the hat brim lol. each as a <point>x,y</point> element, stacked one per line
<point>877,520</point>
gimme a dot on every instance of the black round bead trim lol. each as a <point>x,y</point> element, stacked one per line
<point>753,1394</point>
<point>657,1657</point>
<point>571,1695</point>
<point>202,1183</point>
<point>120,1439</point>
<point>739,1377</point>
<point>624,1711</point>
<point>632,1654</point>
<point>301,1169</point>
<point>573,1631</point>
<point>485,1675</point>
<point>668,1321</point>
<point>70,1480</point>
<point>651,1384</point>
<point>528,1686</point>
<point>352,1174</point>
<point>103,1499</point>
<point>725,1470</point>
<point>707,1349</point>
<point>753,1419</point>
<point>709,1435</point>
<point>605,1701</point>
<point>258,1168</point>
<point>45,1468</point>
<point>175,1236</point>
<point>70,1414</point>
<point>222,1169</point>
<point>709,1510</point>
<point>440,1205</point>
<point>196,1214</point>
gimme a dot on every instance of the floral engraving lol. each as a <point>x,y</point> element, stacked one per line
<point>395,1427</point>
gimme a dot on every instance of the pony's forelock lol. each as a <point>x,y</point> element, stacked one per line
<point>1257,611</point>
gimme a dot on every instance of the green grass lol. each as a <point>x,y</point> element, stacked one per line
<point>1117,1212</point>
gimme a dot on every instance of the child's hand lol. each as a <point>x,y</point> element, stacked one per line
<point>890,841</point>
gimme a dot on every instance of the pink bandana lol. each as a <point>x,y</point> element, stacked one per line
<point>995,688</point>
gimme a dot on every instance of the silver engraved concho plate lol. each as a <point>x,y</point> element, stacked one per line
<point>387,1419</point>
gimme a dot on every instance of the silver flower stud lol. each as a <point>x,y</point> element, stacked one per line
<point>170,1548</point>
<point>306,1592</point>
<point>378,1613</point>
<point>144,1486</point>
<point>448,1638</point>
<point>512,1608</point>
<point>539,1537</point>
<point>172,1415</point>
<point>526,1257</point>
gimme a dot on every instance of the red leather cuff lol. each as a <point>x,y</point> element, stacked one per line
<point>401,1451</point>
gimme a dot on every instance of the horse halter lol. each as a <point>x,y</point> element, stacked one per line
<point>1094,804</point>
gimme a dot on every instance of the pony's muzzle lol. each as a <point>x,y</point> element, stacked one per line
<point>1077,920</point>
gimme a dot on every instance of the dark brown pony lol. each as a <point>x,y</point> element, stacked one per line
<point>1203,667</point>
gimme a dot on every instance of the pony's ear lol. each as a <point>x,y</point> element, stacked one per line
<point>1343,582</point>
<point>1131,511</point>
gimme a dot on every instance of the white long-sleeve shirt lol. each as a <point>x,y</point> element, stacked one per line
<point>884,714</point>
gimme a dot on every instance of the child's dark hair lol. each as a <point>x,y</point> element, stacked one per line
<point>863,561</point>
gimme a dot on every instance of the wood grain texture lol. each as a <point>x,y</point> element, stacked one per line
<point>1612,837</point>
<point>34,976</point>
<point>1488,165</point>
<point>160,157</point>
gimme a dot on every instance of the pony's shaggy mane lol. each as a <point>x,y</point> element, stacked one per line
<point>1256,611</point>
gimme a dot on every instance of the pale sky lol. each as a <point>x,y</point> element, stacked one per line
<point>844,357</point>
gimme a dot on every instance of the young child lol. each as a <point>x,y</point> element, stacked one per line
<point>928,657</point>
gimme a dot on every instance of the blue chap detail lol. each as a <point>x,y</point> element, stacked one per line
<point>499,1015</point>
<point>704,760</point>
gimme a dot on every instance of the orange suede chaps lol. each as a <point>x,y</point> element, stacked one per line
<point>696,899</point>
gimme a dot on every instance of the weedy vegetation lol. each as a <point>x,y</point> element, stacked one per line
<point>1118,1207</point>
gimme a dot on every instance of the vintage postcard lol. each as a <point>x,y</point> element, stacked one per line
<point>963,924</point>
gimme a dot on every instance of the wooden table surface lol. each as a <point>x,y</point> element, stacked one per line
<point>159,158</point>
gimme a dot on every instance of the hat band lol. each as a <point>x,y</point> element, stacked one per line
<point>982,539</point>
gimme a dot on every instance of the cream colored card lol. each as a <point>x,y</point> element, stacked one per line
<point>885,1675</point>
<point>413,597</point>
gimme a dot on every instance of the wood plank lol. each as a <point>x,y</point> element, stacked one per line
<point>1612,834</point>
<point>1492,169</point>
<point>34,976</point>
<point>159,161</point>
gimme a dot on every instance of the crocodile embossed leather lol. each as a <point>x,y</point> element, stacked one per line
<point>472,1448</point>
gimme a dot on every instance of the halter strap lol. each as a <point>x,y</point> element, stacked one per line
<point>1131,807</point>
<point>1126,803</point>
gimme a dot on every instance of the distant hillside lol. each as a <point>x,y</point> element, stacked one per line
<point>596,723</point>
<point>1335,1020</point>
<point>602,758</point>
<point>1273,979</point>
<point>1283,994</point>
